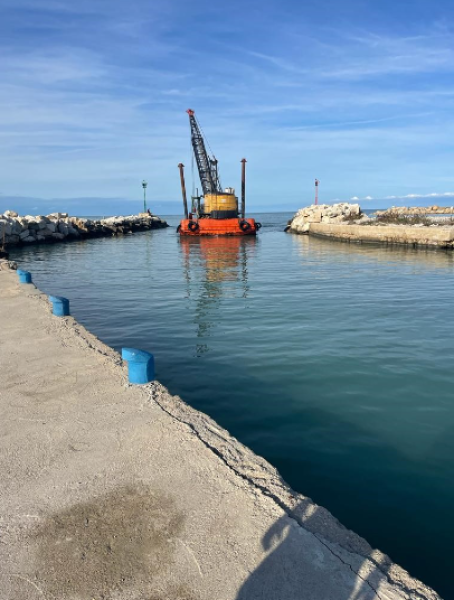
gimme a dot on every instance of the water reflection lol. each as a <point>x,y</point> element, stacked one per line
<point>213,268</point>
<point>424,258</point>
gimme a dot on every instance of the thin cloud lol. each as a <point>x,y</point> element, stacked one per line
<point>372,56</point>
<point>432,195</point>
<point>280,63</point>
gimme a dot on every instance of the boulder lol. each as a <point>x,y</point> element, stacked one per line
<point>16,228</point>
<point>5,227</point>
<point>46,232</point>
<point>10,213</point>
<point>57,216</point>
<point>316,216</point>
<point>7,265</point>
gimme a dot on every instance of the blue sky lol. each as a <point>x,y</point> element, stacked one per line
<point>359,94</point>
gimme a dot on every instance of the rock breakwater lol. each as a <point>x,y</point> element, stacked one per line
<point>18,230</point>
<point>326,213</point>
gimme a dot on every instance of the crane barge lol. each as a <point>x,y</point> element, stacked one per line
<point>215,212</point>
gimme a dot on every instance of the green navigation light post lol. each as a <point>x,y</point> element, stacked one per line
<point>144,185</point>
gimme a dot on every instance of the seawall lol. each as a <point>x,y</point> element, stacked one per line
<point>440,237</point>
<point>59,227</point>
<point>346,222</point>
<point>125,492</point>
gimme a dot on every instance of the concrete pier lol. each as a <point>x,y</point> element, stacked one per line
<point>113,491</point>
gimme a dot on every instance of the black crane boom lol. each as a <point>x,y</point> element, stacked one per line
<point>207,166</point>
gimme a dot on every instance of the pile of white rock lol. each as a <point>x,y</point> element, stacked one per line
<point>416,210</point>
<point>7,265</point>
<point>58,227</point>
<point>343,212</point>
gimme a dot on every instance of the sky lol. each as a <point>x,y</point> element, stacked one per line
<point>93,99</point>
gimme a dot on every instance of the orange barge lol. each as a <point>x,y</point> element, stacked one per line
<point>216,212</point>
<point>208,226</point>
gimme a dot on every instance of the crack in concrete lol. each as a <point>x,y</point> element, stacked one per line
<point>410,593</point>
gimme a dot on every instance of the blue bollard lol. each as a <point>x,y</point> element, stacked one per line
<point>140,365</point>
<point>60,306</point>
<point>24,276</point>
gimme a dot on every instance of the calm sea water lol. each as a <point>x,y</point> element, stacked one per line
<point>335,362</point>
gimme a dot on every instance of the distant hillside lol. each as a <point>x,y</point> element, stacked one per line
<point>85,206</point>
<point>115,206</point>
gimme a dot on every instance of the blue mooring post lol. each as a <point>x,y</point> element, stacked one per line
<point>60,306</point>
<point>140,365</point>
<point>24,276</point>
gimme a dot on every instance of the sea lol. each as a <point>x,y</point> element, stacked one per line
<point>333,361</point>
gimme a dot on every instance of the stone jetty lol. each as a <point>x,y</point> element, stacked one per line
<point>346,222</point>
<point>124,492</point>
<point>59,227</point>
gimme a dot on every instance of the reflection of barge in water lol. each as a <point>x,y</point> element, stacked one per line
<point>216,269</point>
<point>223,258</point>
<point>216,212</point>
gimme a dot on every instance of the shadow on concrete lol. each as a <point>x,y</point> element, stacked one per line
<point>301,564</point>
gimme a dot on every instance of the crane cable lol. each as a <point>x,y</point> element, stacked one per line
<point>192,170</point>
<point>204,136</point>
